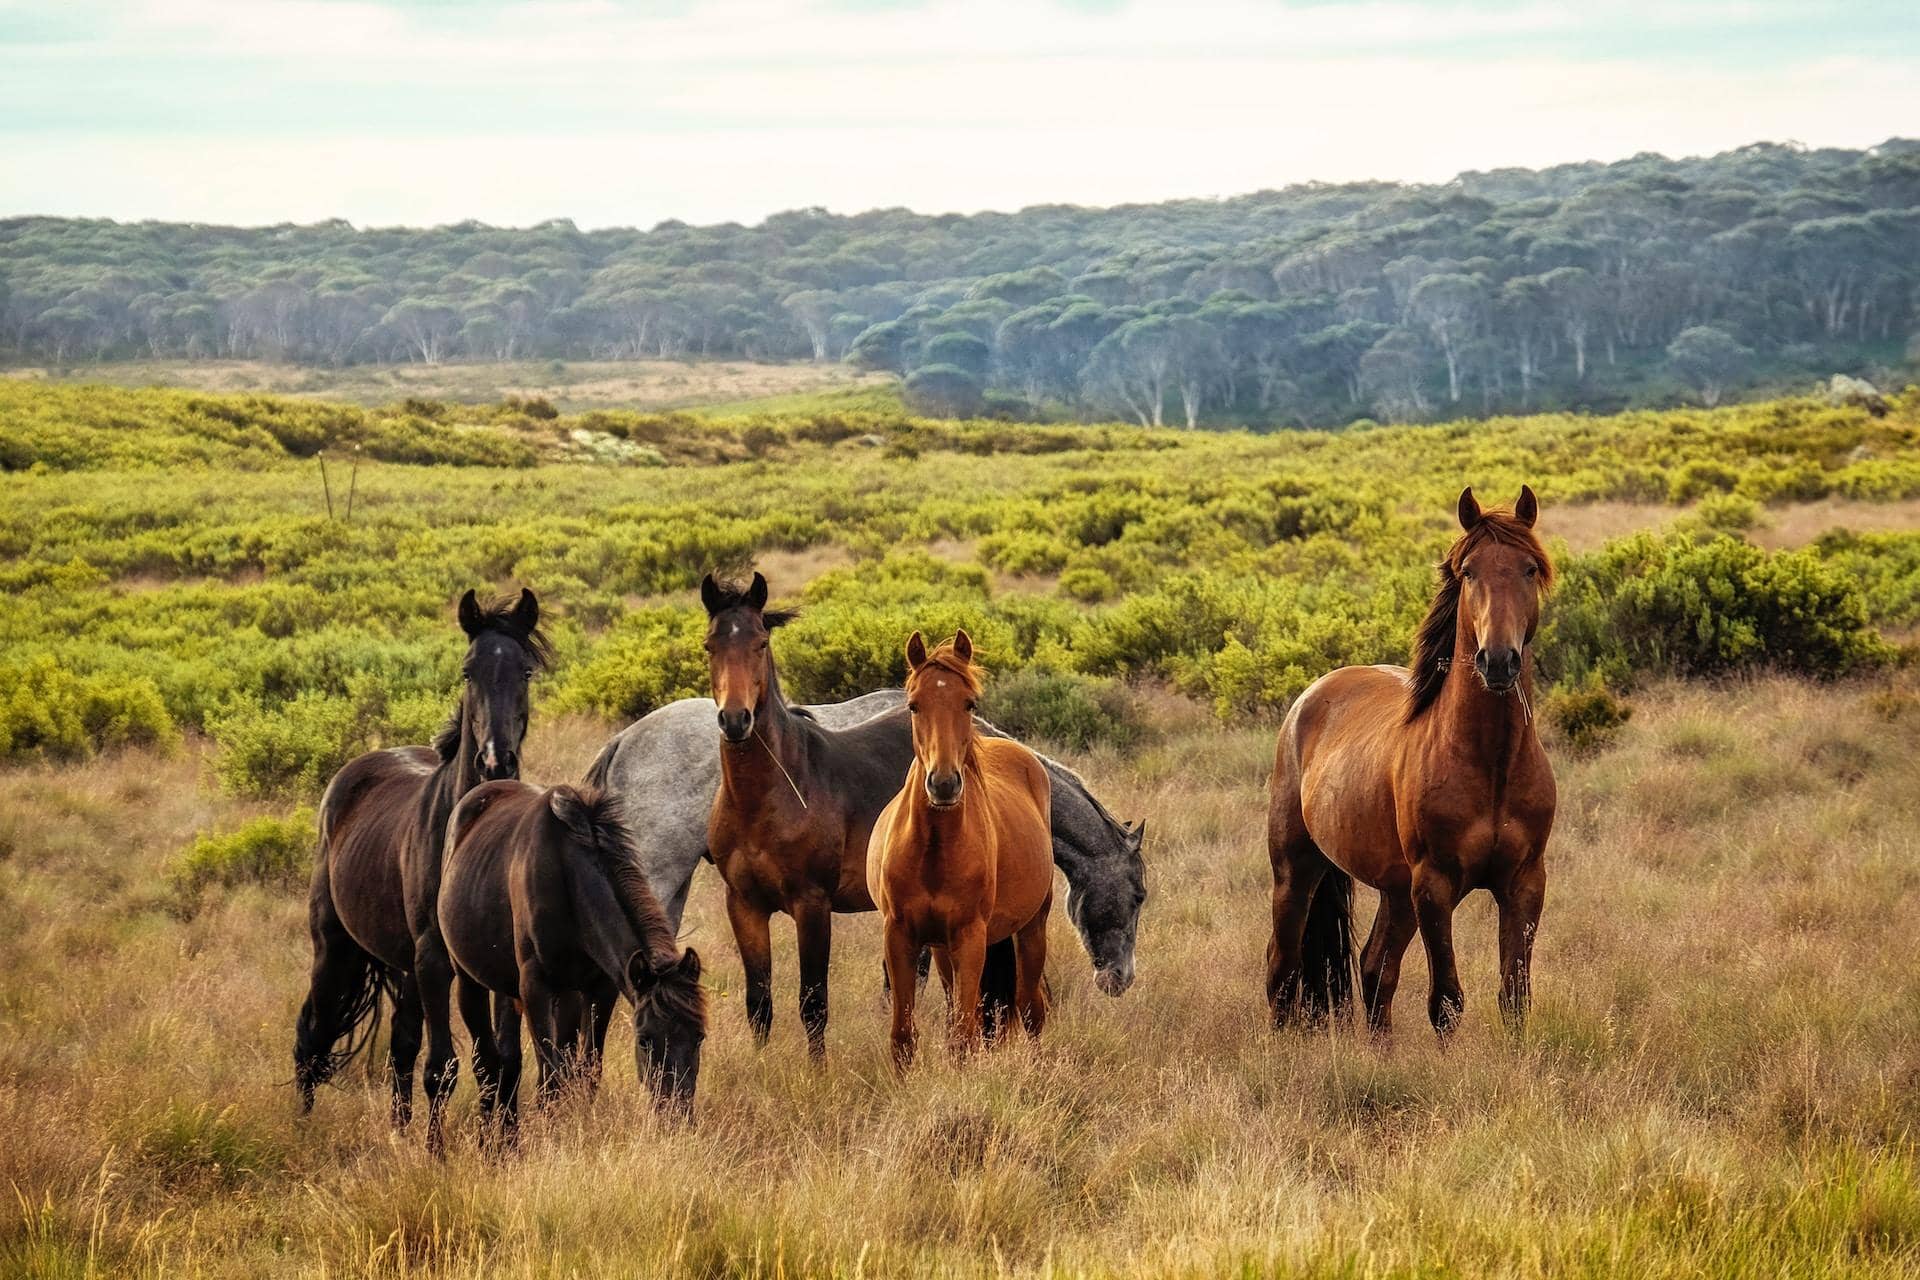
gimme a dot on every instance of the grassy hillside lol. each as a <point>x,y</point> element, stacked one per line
<point>1720,1079</point>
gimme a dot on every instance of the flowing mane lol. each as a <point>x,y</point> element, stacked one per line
<point>1433,643</point>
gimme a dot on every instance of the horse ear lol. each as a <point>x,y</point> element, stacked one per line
<point>470,613</point>
<point>1469,509</point>
<point>1527,509</point>
<point>526,614</point>
<point>757,593</point>
<point>710,595</point>
<point>689,965</point>
<point>640,972</point>
<point>916,652</point>
<point>963,645</point>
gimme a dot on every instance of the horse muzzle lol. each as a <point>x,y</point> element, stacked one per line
<point>944,790</point>
<point>495,765</point>
<point>736,726</point>
<point>1114,979</point>
<point>1498,668</point>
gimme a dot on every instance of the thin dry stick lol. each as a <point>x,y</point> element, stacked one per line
<point>353,481</point>
<point>324,486</point>
<point>782,768</point>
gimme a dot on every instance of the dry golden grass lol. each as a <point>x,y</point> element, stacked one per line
<point>572,386</point>
<point>1721,1078</point>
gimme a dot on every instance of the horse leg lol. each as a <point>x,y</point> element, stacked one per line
<point>1394,925</point>
<point>999,980</point>
<point>570,1034</point>
<point>813,927</point>
<point>537,998</point>
<point>1520,901</point>
<point>967,952</point>
<point>1030,949</point>
<point>1296,874</point>
<point>474,1001</point>
<point>593,1037</point>
<point>433,979</point>
<point>506,1039</point>
<point>404,1048</point>
<point>902,956</point>
<point>751,936</point>
<point>1434,898</point>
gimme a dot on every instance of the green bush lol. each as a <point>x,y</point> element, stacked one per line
<point>647,659</point>
<point>1588,715</point>
<point>1063,708</point>
<point>1089,584</point>
<point>295,747</point>
<point>277,852</point>
<point>48,712</point>
<point>1651,605</point>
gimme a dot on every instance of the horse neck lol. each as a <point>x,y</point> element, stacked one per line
<point>941,827</point>
<point>450,780</point>
<point>1495,726</point>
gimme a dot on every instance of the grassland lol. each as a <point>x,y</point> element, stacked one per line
<point>572,386</point>
<point>1723,1076</point>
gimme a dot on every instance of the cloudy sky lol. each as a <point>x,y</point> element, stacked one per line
<point>512,111</point>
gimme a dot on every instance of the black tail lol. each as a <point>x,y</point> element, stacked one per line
<point>1326,950</point>
<point>340,1018</point>
<point>997,977</point>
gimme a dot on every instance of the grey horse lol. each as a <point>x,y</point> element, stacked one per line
<point>666,769</point>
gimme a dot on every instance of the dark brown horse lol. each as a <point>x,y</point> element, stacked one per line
<point>1426,784</point>
<point>797,801</point>
<point>376,877</point>
<point>962,857</point>
<point>545,911</point>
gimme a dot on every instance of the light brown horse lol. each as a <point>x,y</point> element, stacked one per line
<point>963,857</point>
<point>1425,784</point>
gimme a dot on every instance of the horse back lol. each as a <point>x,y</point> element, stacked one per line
<point>487,847</point>
<point>1019,795</point>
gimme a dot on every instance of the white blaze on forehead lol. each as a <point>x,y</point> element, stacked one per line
<point>941,683</point>
<point>733,629</point>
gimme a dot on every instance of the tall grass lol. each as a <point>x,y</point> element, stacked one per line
<point>1719,1080</point>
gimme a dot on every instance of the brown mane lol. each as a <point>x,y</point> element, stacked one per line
<point>1433,642</point>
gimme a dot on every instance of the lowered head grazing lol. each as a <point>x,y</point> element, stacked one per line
<point>943,689</point>
<point>739,653</point>
<point>669,1026</point>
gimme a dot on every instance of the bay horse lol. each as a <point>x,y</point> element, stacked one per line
<point>789,824</point>
<point>961,858</point>
<point>545,911</point>
<point>370,910</point>
<point>1426,784</point>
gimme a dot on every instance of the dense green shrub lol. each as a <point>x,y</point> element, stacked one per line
<point>1064,709</point>
<point>51,713</point>
<point>296,746</point>
<point>277,852</point>
<point>1649,605</point>
<point>647,659</point>
<point>1589,716</point>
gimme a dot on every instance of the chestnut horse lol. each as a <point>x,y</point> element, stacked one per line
<point>1425,784</point>
<point>545,911</point>
<point>962,857</point>
<point>377,876</point>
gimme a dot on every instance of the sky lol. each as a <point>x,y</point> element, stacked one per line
<point>422,112</point>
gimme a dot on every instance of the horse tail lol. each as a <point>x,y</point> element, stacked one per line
<point>341,1016</point>
<point>601,769</point>
<point>1326,951</point>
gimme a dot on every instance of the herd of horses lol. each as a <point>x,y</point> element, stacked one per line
<point>441,878</point>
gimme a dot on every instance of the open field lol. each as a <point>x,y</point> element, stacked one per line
<point>570,386</point>
<point>1722,1076</point>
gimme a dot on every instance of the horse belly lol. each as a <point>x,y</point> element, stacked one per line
<point>369,897</point>
<point>1346,801</point>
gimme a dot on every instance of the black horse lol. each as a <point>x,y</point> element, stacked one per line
<point>546,913</point>
<point>376,881</point>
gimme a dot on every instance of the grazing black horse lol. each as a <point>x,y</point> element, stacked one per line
<point>376,880</point>
<point>545,909</point>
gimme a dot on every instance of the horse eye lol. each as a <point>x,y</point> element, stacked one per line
<point>972,705</point>
<point>1533,571</point>
<point>527,674</point>
<point>913,708</point>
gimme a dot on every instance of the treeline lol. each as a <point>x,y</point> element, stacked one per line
<point>1588,285</point>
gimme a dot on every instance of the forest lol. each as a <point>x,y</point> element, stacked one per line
<point>1588,286</point>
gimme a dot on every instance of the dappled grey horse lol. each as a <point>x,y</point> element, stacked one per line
<point>666,768</point>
